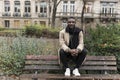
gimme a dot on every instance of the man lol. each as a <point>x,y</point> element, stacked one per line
<point>72,47</point>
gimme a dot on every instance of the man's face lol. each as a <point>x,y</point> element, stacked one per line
<point>71,22</point>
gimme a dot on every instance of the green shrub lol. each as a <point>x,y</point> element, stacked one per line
<point>42,31</point>
<point>10,32</point>
<point>14,49</point>
<point>103,40</point>
<point>1,29</point>
<point>31,30</point>
<point>54,32</point>
<point>11,63</point>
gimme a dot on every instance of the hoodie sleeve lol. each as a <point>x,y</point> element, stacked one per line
<point>62,41</point>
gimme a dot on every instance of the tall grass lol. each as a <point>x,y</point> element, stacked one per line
<point>13,51</point>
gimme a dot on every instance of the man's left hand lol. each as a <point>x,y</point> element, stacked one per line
<point>75,52</point>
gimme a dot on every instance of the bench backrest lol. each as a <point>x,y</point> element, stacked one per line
<point>51,62</point>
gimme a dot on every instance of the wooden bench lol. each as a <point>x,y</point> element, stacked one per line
<point>44,67</point>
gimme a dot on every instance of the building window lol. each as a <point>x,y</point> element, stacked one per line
<point>108,8</point>
<point>65,6</point>
<point>68,6</point>
<point>42,23</point>
<point>7,5</point>
<point>43,9</point>
<point>72,6</point>
<point>36,6</point>
<point>17,6</point>
<point>27,6</point>
<point>88,7</point>
<point>16,23</point>
<point>7,23</point>
<point>26,22</point>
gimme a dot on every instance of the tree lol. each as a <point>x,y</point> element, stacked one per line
<point>55,4</point>
<point>82,16</point>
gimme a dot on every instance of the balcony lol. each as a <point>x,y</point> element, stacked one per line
<point>108,15</point>
<point>89,15</point>
<point>26,14</point>
<point>6,14</point>
<point>67,14</point>
<point>17,14</point>
<point>42,14</point>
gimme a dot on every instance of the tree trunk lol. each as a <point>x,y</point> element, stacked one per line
<point>82,16</point>
<point>54,13</point>
<point>53,17</point>
<point>55,4</point>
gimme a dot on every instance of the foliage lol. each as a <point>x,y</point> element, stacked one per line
<point>1,28</point>
<point>13,51</point>
<point>103,40</point>
<point>10,32</point>
<point>42,31</point>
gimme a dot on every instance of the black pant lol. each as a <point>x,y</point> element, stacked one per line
<point>64,56</point>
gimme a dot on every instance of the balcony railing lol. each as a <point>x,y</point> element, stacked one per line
<point>108,15</point>
<point>75,14</point>
<point>26,14</point>
<point>89,15</point>
<point>42,14</point>
<point>6,14</point>
<point>68,14</point>
<point>17,14</point>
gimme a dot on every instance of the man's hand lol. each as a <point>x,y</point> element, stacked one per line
<point>74,52</point>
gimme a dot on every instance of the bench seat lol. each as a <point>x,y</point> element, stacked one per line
<point>50,62</point>
<point>37,67</point>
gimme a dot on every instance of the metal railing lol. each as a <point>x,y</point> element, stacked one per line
<point>6,14</point>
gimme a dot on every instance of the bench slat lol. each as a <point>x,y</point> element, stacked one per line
<point>85,63</point>
<point>54,57</point>
<point>51,67</point>
<point>41,62</point>
<point>101,63</point>
<point>41,57</point>
<point>83,76</point>
<point>101,58</point>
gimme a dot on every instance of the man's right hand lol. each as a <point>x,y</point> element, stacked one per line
<point>73,52</point>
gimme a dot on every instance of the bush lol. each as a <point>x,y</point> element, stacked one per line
<point>32,30</point>
<point>1,29</point>
<point>42,31</point>
<point>10,32</point>
<point>103,40</point>
<point>14,49</point>
<point>11,62</point>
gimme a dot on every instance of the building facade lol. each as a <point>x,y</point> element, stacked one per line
<point>19,13</point>
<point>96,11</point>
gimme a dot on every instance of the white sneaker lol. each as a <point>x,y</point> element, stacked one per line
<point>76,72</point>
<point>67,72</point>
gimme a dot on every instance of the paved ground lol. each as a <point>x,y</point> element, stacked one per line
<point>8,78</point>
<point>2,77</point>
